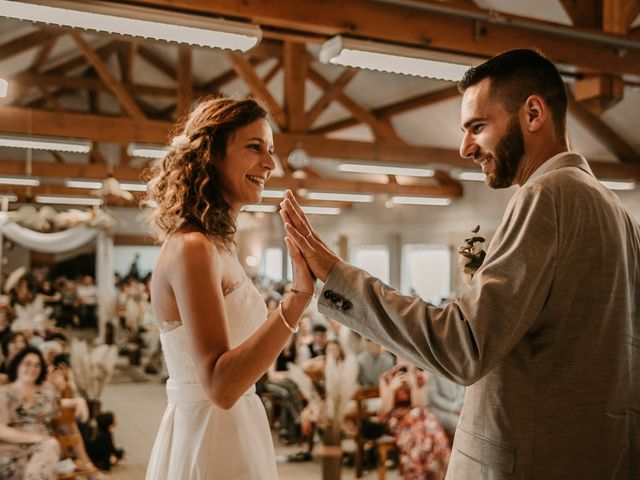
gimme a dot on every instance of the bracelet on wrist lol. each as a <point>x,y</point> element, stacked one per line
<point>299,292</point>
<point>284,320</point>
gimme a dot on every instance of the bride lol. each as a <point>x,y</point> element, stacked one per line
<point>215,332</point>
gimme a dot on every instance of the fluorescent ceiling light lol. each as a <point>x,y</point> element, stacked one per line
<point>145,151</point>
<point>472,176</point>
<point>272,193</point>
<point>395,59</point>
<point>618,185</point>
<point>83,184</point>
<point>437,201</point>
<point>385,170</point>
<point>4,87</point>
<point>20,181</point>
<point>137,22</point>
<point>8,197</point>
<point>340,197</point>
<point>45,143</point>
<point>133,187</point>
<point>56,200</point>
<point>321,210</point>
<point>259,208</point>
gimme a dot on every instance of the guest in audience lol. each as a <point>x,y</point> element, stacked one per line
<point>27,408</point>
<point>372,363</point>
<point>11,345</point>
<point>21,294</point>
<point>49,350</point>
<point>50,296</point>
<point>87,299</point>
<point>317,345</point>
<point>423,444</point>
<point>68,316</point>
<point>102,450</point>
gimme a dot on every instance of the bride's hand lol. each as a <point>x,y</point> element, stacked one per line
<point>303,279</point>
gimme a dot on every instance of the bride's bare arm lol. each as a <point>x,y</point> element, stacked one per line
<point>197,284</point>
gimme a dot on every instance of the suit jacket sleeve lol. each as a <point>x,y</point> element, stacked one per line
<point>468,337</point>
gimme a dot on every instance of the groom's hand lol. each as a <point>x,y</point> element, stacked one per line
<point>317,254</point>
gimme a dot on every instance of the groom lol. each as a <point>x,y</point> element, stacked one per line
<point>547,338</point>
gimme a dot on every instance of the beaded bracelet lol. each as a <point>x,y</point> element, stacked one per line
<point>284,320</point>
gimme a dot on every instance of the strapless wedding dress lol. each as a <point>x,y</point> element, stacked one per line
<point>197,440</point>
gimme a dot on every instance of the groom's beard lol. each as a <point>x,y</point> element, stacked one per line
<point>509,153</point>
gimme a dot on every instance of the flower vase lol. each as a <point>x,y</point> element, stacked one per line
<point>331,452</point>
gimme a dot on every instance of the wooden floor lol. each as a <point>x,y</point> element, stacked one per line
<point>138,407</point>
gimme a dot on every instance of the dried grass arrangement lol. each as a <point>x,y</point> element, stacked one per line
<point>92,369</point>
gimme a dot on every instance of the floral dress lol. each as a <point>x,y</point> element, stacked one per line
<point>423,443</point>
<point>29,461</point>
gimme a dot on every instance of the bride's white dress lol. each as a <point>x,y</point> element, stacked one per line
<point>197,440</point>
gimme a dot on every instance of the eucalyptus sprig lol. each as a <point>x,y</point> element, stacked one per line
<point>471,254</point>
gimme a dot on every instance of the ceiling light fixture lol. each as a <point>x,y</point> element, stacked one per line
<point>618,185</point>
<point>321,210</point>
<point>9,197</point>
<point>341,197</point>
<point>259,208</point>
<point>420,62</point>
<point>135,21</point>
<point>60,200</point>
<point>472,176</point>
<point>146,151</point>
<point>272,193</point>
<point>133,187</point>
<point>83,184</point>
<point>20,181</point>
<point>385,170</point>
<point>4,87</point>
<point>435,201</point>
<point>45,143</point>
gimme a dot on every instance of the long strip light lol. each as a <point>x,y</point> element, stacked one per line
<point>60,200</point>
<point>259,208</point>
<point>146,151</point>
<point>272,193</point>
<point>618,185</point>
<point>20,181</point>
<point>341,197</point>
<point>135,21</point>
<point>45,143</point>
<point>385,170</point>
<point>9,197</point>
<point>472,176</point>
<point>89,184</point>
<point>436,201</point>
<point>321,210</point>
<point>393,58</point>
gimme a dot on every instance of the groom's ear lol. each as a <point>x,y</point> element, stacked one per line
<point>534,113</point>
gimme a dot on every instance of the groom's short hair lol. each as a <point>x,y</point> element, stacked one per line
<point>517,74</point>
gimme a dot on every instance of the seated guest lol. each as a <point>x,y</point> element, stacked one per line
<point>27,408</point>
<point>11,345</point>
<point>423,444</point>
<point>372,363</point>
<point>317,345</point>
<point>101,448</point>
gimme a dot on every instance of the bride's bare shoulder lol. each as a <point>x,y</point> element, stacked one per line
<point>189,244</point>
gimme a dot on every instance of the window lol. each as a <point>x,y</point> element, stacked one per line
<point>372,258</point>
<point>272,263</point>
<point>426,269</point>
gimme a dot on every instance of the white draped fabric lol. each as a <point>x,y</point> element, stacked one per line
<point>64,241</point>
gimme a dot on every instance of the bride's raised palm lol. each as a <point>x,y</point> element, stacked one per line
<point>303,279</point>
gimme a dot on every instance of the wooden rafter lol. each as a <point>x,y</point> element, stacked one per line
<point>28,41</point>
<point>415,26</point>
<point>105,74</point>
<point>272,72</point>
<point>382,129</point>
<point>584,13</point>
<point>387,111</point>
<point>123,130</point>
<point>157,62</point>
<point>185,81</point>
<point>127,53</point>
<point>330,95</point>
<point>244,70</point>
<point>295,74</point>
<point>603,132</point>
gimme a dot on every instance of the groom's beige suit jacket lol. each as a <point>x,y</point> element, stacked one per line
<point>547,337</point>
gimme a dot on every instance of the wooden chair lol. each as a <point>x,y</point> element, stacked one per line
<point>362,412</point>
<point>69,438</point>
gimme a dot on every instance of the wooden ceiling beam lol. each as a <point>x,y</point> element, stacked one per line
<point>381,128</point>
<point>158,63</point>
<point>295,75</point>
<point>387,111</point>
<point>603,132</point>
<point>453,31</point>
<point>258,88</point>
<point>126,101</point>
<point>124,130</point>
<point>330,95</point>
<point>185,81</point>
<point>28,41</point>
<point>584,13</point>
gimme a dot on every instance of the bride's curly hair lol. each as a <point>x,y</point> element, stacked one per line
<point>186,184</point>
